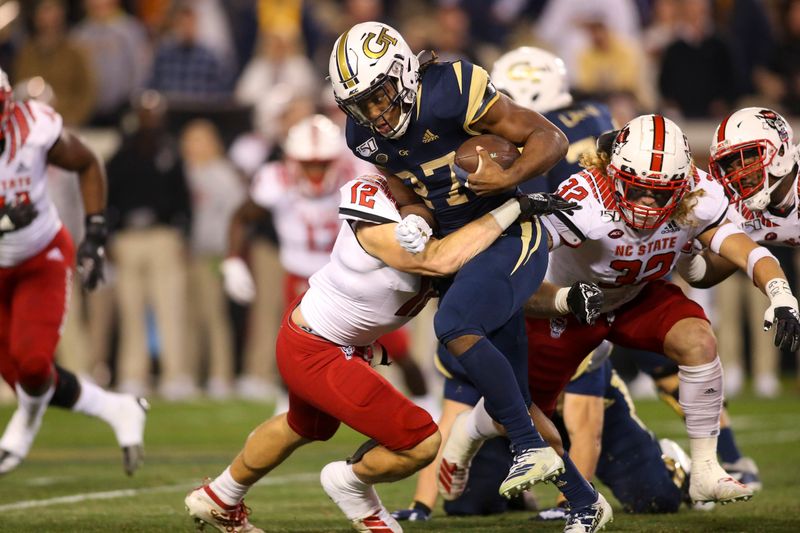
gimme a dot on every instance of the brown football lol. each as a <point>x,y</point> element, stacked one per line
<point>503,152</point>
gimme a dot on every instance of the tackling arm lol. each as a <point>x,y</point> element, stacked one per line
<point>543,144</point>
<point>246,214</point>
<point>441,257</point>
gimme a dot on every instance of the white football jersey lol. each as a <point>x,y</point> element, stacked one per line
<point>598,246</point>
<point>306,225</point>
<point>356,298</point>
<point>767,227</point>
<point>31,130</point>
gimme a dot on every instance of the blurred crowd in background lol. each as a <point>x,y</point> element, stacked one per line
<point>186,99</point>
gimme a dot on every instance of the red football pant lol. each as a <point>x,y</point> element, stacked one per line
<point>327,387</point>
<point>33,304</point>
<point>556,347</point>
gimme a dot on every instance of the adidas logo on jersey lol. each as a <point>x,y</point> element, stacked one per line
<point>22,168</point>
<point>672,227</point>
<point>429,136</point>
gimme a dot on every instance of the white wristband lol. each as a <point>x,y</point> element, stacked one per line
<point>506,214</point>
<point>723,232</point>
<point>755,256</point>
<point>780,294</point>
<point>560,302</point>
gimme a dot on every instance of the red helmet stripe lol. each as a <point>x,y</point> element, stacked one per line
<point>721,130</point>
<point>657,160</point>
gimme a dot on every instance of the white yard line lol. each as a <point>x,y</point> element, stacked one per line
<point>125,493</point>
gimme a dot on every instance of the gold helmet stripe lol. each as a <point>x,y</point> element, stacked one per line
<point>346,74</point>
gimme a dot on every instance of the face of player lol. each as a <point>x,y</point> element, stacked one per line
<point>381,108</point>
<point>314,173</point>
<point>749,174</point>
<point>648,197</point>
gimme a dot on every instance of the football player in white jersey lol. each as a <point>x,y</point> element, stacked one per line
<point>37,258</point>
<point>301,193</point>
<point>370,287</point>
<point>639,209</point>
<point>754,157</point>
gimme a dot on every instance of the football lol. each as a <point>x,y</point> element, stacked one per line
<point>502,151</point>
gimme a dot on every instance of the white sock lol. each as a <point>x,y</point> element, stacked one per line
<point>351,479</point>
<point>700,393</point>
<point>479,425</point>
<point>21,430</point>
<point>34,405</point>
<point>94,401</point>
<point>703,450</point>
<point>228,489</point>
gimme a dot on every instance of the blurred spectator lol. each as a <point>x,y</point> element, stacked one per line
<point>563,22</point>
<point>780,82</point>
<point>117,46</point>
<point>451,41</point>
<point>610,64</point>
<point>214,31</point>
<point>186,70</point>
<point>216,190</point>
<point>697,77</point>
<point>746,27</point>
<point>660,32</point>
<point>278,74</point>
<point>149,214</point>
<point>49,53</point>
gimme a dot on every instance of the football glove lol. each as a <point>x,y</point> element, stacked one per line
<point>413,233</point>
<point>787,327</point>
<point>419,512</point>
<point>585,301</point>
<point>539,204</point>
<point>16,216</point>
<point>238,281</point>
<point>91,252</point>
<point>782,312</point>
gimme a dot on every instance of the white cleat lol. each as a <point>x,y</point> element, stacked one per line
<point>710,483</point>
<point>207,509</point>
<point>590,519</point>
<point>459,450</point>
<point>128,425</point>
<point>361,506</point>
<point>745,471</point>
<point>530,467</point>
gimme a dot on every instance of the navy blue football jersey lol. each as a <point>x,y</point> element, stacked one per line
<point>451,98</point>
<point>582,123</point>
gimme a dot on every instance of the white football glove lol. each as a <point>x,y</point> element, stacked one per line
<point>412,233</point>
<point>238,281</point>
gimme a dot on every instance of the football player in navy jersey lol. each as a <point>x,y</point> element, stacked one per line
<point>536,79</point>
<point>409,120</point>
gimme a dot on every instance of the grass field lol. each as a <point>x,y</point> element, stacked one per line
<point>73,479</point>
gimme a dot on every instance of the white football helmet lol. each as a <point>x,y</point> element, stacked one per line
<point>748,145</point>
<point>6,97</point>
<point>534,78</point>
<point>315,142</point>
<point>374,73</point>
<point>650,168</point>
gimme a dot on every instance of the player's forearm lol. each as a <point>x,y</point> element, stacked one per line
<point>542,304</point>
<point>543,148</point>
<point>237,235</point>
<point>93,187</point>
<point>446,256</point>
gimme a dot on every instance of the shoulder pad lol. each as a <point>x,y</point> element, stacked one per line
<point>34,122</point>
<point>713,205</point>
<point>367,198</point>
<point>577,226</point>
<point>269,185</point>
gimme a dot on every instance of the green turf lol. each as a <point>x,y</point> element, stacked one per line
<point>75,455</point>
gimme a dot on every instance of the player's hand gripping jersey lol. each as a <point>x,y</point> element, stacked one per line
<point>595,244</point>
<point>451,97</point>
<point>31,130</point>
<point>356,298</point>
